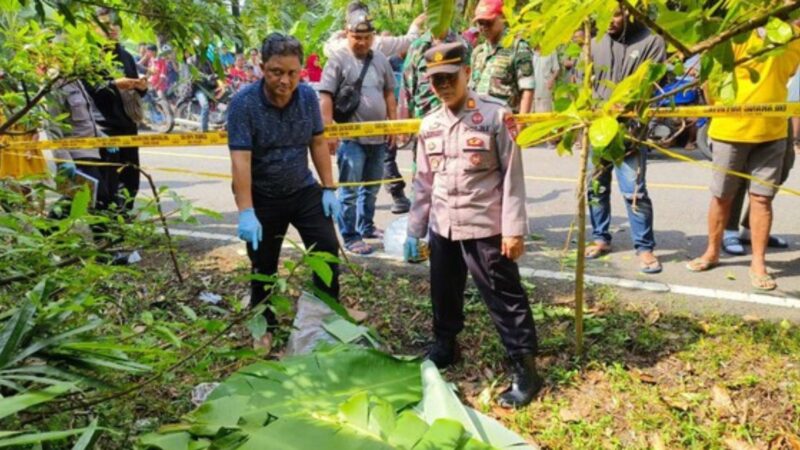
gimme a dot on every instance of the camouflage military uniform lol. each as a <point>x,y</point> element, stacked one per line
<point>416,94</point>
<point>503,73</point>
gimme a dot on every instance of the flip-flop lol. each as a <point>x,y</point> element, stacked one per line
<point>359,248</point>
<point>772,242</point>
<point>650,268</point>
<point>701,265</point>
<point>595,251</point>
<point>733,246</point>
<point>763,283</point>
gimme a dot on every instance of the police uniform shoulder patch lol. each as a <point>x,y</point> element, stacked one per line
<point>511,125</point>
<point>477,118</point>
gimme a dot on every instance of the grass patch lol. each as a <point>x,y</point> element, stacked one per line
<point>648,380</point>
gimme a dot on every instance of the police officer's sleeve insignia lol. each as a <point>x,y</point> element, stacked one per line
<point>511,125</point>
<point>477,118</point>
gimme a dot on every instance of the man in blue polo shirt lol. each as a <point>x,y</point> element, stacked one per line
<point>271,127</point>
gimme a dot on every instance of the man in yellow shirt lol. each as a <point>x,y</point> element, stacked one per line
<point>754,145</point>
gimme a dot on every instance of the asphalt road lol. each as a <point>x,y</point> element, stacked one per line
<point>678,189</point>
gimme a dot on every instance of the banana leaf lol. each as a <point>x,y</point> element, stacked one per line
<point>439,401</point>
<point>319,382</point>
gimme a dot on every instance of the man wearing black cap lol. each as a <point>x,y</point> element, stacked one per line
<point>470,196</point>
<point>368,77</point>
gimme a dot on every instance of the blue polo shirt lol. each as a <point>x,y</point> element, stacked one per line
<point>278,137</point>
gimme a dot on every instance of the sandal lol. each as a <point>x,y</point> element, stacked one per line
<point>359,248</point>
<point>763,283</point>
<point>733,246</point>
<point>701,265</point>
<point>597,250</point>
<point>772,242</point>
<point>650,267</point>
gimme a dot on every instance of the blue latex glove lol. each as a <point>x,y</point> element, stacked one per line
<point>249,227</point>
<point>411,249</point>
<point>67,168</point>
<point>330,204</point>
<point>112,150</point>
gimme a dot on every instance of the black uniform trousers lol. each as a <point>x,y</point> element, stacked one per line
<point>498,281</point>
<point>129,176</point>
<point>303,210</point>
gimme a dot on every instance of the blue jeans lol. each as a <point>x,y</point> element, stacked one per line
<point>357,163</point>
<point>202,99</point>
<point>631,178</point>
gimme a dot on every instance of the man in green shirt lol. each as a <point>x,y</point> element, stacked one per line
<point>503,73</point>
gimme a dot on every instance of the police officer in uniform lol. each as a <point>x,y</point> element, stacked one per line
<point>470,195</point>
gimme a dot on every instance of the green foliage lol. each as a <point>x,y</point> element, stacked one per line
<point>440,16</point>
<point>310,22</point>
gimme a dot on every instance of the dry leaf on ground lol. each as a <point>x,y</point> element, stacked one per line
<point>722,401</point>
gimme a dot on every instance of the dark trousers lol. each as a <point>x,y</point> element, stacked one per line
<point>303,210</point>
<point>391,171</point>
<point>129,176</point>
<point>498,281</point>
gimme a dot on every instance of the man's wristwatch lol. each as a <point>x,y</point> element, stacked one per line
<point>328,188</point>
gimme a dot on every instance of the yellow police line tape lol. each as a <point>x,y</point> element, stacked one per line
<point>393,127</point>
<point>218,175</point>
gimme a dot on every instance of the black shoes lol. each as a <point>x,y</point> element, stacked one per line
<point>525,383</point>
<point>443,353</point>
<point>401,204</point>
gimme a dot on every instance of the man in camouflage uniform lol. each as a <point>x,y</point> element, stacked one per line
<point>416,96</point>
<point>503,73</point>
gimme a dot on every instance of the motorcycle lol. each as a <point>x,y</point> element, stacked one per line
<point>187,110</point>
<point>678,132</point>
<point>158,113</point>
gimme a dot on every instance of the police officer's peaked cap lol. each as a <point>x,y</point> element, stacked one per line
<point>446,58</point>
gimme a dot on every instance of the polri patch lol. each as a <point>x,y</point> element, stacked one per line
<point>476,142</point>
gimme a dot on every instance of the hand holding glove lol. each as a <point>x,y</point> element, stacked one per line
<point>67,168</point>
<point>330,204</point>
<point>411,249</point>
<point>249,227</point>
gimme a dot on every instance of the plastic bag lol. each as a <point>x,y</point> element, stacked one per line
<point>307,330</point>
<point>394,237</point>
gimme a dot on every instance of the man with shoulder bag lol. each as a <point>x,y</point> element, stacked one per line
<point>358,86</point>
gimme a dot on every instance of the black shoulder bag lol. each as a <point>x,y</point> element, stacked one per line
<point>348,97</point>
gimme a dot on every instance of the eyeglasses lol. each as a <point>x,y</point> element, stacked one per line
<point>444,79</point>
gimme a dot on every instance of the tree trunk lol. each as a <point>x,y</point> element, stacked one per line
<point>582,181</point>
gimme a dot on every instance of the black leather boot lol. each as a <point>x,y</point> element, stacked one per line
<point>443,352</point>
<point>401,203</point>
<point>525,383</point>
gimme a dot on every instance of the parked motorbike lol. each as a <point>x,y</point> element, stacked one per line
<point>679,132</point>
<point>158,113</point>
<point>187,110</point>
